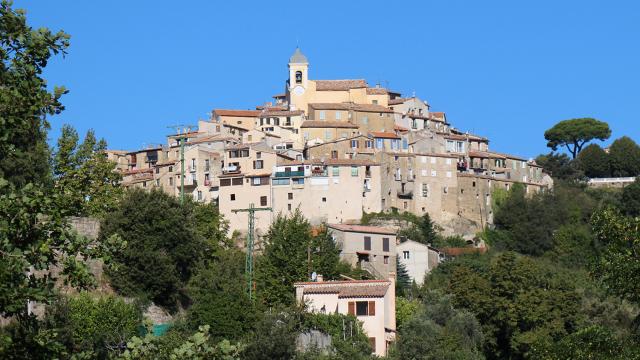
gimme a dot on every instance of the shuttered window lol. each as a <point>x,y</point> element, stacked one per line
<point>385,244</point>
<point>372,308</point>
<point>367,242</point>
<point>352,308</point>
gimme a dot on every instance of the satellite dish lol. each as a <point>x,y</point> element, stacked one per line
<point>314,276</point>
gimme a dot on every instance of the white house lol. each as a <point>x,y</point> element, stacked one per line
<point>373,302</point>
<point>419,259</point>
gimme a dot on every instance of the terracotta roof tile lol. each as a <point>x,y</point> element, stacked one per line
<point>377,91</point>
<point>397,101</point>
<point>362,229</point>
<point>384,135</point>
<point>272,112</point>
<point>347,289</point>
<point>340,85</point>
<point>237,113</point>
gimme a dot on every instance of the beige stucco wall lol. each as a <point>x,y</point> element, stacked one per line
<point>352,243</point>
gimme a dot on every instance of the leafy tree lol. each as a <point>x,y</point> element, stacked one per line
<point>94,326</point>
<point>348,338</point>
<point>624,155</point>
<point>85,178</point>
<point>25,101</point>
<point>559,165</point>
<point>630,201</point>
<point>619,263</point>
<point>220,298</point>
<point>198,346</point>
<point>574,133</point>
<point>274,336</point>
<point>518,301</point>
<point>162,246</point>
<point>212,226</point>
<point>289,242</point>
<point>405,310</point>
<point>594,161</point>
<point>439,331</point>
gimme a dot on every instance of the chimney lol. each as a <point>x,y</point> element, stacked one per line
<point>319,278</point>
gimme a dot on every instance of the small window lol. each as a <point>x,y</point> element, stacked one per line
<point>290,196</point>
<point>386,260</point>
<point>362,308</point>
<point>199,195</point>
<point>324,199</point>
<point>233,197</point>
<point>157,182</point>
<point>367,242</point>
<point>170,168</point>
<point>263,201</point>
<point>354,171</point>
<point>321,114</point>
<point>354,144</point>
<point>298,77</point>
<point>338,115</point>
<point>289,207</point>
<point>406,255</point>
<point>334,154</point>
<point>258,164</point>
<point>335,171</point>
<point>385,244</point>
<point>171,181</point>
<point>144,184</point>
<point>374,102</point>
<point>157,170</point>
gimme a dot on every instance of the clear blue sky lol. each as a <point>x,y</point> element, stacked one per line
<point>504,69</point>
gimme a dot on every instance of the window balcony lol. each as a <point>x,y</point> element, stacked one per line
<point>285,174</point>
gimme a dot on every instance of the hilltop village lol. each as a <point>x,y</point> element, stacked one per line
<point>335,150</point>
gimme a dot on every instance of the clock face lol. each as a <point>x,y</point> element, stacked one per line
<point>298,90</point>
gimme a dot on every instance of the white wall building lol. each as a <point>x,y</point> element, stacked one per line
<point>419,259</point>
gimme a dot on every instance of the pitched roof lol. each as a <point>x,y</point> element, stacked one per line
<point>351,106</point>
<point>347,289</point>
<point>338,162</point>
<point>384,135</point>
<point>377,91</point>
<point>281,113</point>
<point>362,229</point>
<point>298,57</point>
<point>328,124</point>
<point>237,113</point>
<point>397,101</point>
<point>400,128</point>
<point>340,85</point>
<point>486,154</point>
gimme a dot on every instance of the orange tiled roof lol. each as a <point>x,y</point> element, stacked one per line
<point>273,112</point>
<point>384,135</point>
<point>328,124</point>
<point>400,128</point>
<point>340,85</point>
<point>237,113</point>
<point>397,101</point>
<point>347,289</point>
<point>377,91</point>
<point>362,229</point>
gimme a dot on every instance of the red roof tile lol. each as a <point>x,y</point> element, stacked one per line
<point>377,91</point>
<point>340,85</point>
<point>384,135</point>
<point>237,113</point>
<point>351,106</point>
<point>347,289</point>
<point>328,124</point>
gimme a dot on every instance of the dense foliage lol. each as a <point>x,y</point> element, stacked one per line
<point>574,133</point>
<point>85,179</point>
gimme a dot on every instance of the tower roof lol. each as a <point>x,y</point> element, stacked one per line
<point>298,57</point>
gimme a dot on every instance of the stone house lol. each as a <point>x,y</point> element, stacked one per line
<point>418,259</point>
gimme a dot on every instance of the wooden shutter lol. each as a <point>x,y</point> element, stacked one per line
<point>372,308</point>
<point>352,308</point>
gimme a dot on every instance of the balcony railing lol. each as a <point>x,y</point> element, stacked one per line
<point>289,173</point>
<point>405,195</point>
<point>231,169</point>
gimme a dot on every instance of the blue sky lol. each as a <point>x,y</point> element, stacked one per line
<point>504,69</point>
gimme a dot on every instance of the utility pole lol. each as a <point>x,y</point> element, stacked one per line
<point>248,267</point>
<point>181,136</point>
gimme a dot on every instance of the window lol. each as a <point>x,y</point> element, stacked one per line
<point>144,184</point>
<point>157,182</point>
<point>406,255</point>
<point>290,196</point>
<point>425,190</point>
<point>374,102</point>
<point>279,182</point>
<point>258,155</point>
<point>324,199</point>
<point>263,201</point>
<point>298,181</point>
<point>405,144</point>
<point>258,164</point>
<point>170,168</point>
<point>334,154</point>
<point>289,207</point>
<point>199,195</point>
<point>368,144</point>
<point>354,144</point>
<point>379,143</point>
<point>157,170</point>
<point>405,205</point>
<point>445,189</point>
<point>354,171</point>
<point>335,171</point>
<point>171,181</point>
<point>449,161</point>
<point>233,197</point>
<point>362,308</point>
<point>434,173</point>
<point>207,165</point>
<point>298,77</point>
<point>338,115</point>
<point>385,244</point>
<point>321,115</point>
<point>327,134</point>
<point>386,260</point>
<point>367,242</point>
<point>365,120</point>
<point>225,182</point>
<point>372,343</point>
<point>236,181</point>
